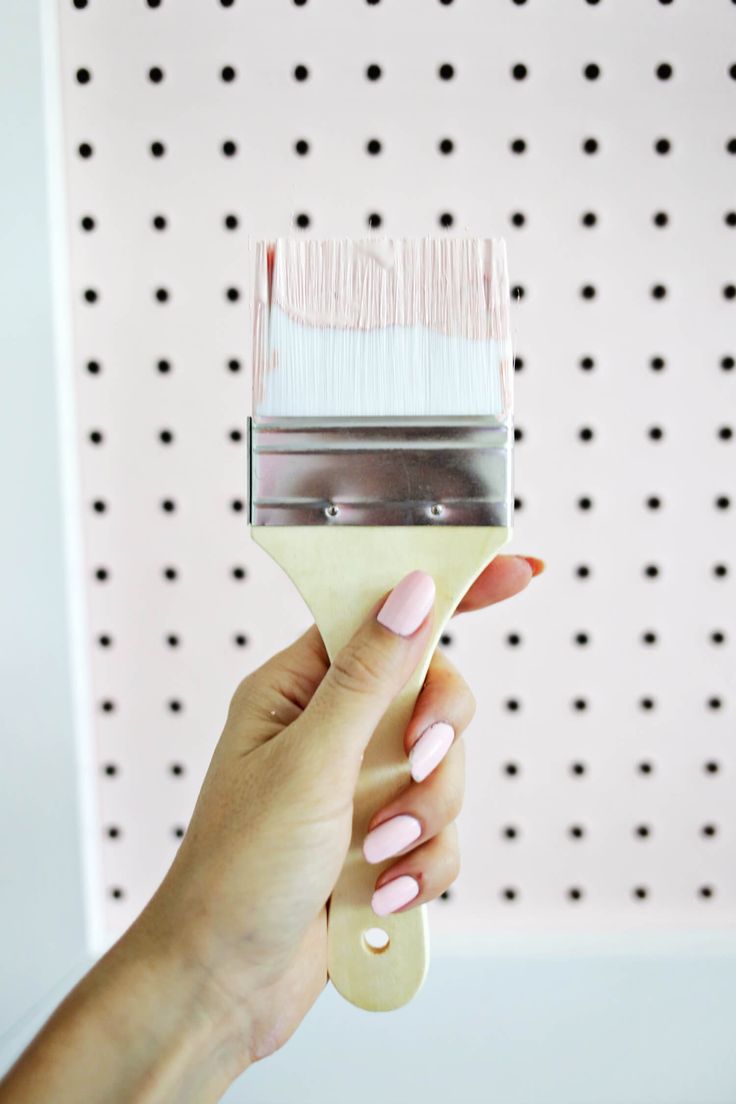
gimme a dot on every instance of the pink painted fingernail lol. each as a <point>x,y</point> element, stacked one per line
<point>408,604</point>
<point>430,749</point>
<point>393,895</point>
<point>391,837</point>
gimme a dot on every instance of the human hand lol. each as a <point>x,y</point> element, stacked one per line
<point>246,897</point>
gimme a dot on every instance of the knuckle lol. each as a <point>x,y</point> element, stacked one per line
<point>361,668</point>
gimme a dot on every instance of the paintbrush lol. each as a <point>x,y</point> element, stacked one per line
<point>380,443</point>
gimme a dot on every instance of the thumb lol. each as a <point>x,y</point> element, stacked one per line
<point>367,674</point>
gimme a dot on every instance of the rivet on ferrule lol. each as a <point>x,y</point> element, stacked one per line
<point>332,511</point>
<point>437,510</point>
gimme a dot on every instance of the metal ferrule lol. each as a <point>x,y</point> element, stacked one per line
<point>380,471</point>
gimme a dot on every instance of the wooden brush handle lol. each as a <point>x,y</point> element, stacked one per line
<point>341,573</point>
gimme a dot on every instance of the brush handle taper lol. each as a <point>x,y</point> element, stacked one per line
<point>341,572</point>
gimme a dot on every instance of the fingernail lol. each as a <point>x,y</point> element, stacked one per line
<point>431,747</point>
<point>393,895</point>
<point>536,565</point>
<point>391,837</point>
<point>408,604</point>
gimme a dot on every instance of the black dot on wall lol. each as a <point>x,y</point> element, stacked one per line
<point>662,146</point>
<point>709,831</point>
<point>717,637</point>
<point>575,893</point>
<point>513,705</point>
<point>518,218</point>
<point>232,294</point>
<point>509,894</point>
<point>588,291</point>
<point>240,640</point>
<point>729,291</point>
<point>645,767</point>
<point>172,640</point>
<point>730,218</point>
<point>104,640</point>
<point>374,220</point>
<point>238,573</point>
<point>301,146</point>
<point>592,71</point>
<point>725,433</point>
<point>93,367</point>
<point>660,218</point>
<point>590,145</point>
<point>711,766</point>
<point>237,505</point>
<point>166,436</point>
<point>155,74</point>
<point>577,769</point>
<point>170,574</point>
<point>586,434</point>
<point>163,367</point>
<point>706,892</point>
<point>657,364</point>
<point>589,218</point>
<point>576,831</point>
<point>731,145</point>
<point>168,506</point>
<point>233,365</point>
<point>518,364</point>
<point>446,145</point>
<point>159,222</point>
<point>511,770</point>
<point>583,571</point>
<point>642,831</point>
<point>231,222</point>
<point>178,831</point>
<point>235,435</point>
<point>85,150</point>
<point>161,295</point>
<point>99,506</point>
<point>653,502</point>
<point>174,705</point>
<point>96,436</point>
<point>117,893</point>
<point>158,149</point>
<point>446,640</point>
<point>585,503</point>
<point>300,72</point>
<point>302,220</point>
<point>87,223</point>
<point>664,71</point>
<point>509,832</point>
<point>587,363</point>
<point>83,76</point>
<point>107,706</point>
<point>229,148</point>
<point>374,72</point>
<point>647,704</point>
<point>519,71</point>
<point>79,4</point>
<point>228,73</point>
<point>446,219</point>
<point>582,639</point>
<point>373,146</point>
<point>153,3</point>
<point>651,571</point>
<point>518,145</point>
<point>723,502</point>
<point>110,769</point>
<point>640,893</point>
<point>580,705</point>
<point>720,571</point>
<point>649,638</point>
<point>517,292</point>
<point>727,363</point>
<point>90,295</point>
<point>113,832</point>
<point>177,769</point>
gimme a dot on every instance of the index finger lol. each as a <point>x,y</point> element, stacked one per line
<point>504,577</point>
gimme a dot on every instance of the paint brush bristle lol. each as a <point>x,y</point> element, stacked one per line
<point>382,328</point>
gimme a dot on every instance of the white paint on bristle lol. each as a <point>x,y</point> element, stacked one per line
<point>382,328</point>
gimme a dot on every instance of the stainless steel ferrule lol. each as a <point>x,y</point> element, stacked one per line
<point>380,471</point>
